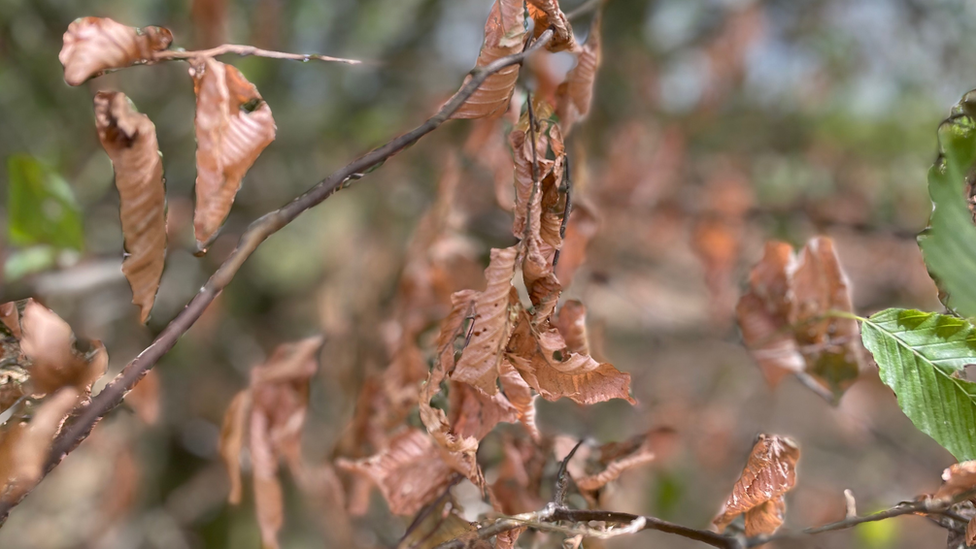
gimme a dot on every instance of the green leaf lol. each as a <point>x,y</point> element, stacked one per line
<point>920,356</point>
<point>949,242</point>
<point>41,207</point>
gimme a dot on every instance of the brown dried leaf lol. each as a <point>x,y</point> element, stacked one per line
<point>958,478</point>
<point>268,499</point>
<point>971,532</point>
<point>770,472</point>
<point>233,125</point>
<point>49,343</point>
<point>144,398</point>
<point>508,540</point>
<point>546,13</point>
<point>784,317</point>
<point>580,229</point>
<point>24,446</point>
<point>543,359</point>
<point>129,138</point>
<point>571,324</point>
<point>96,44</point>
<point>494,313</point>
<point>441,524</point>
<point>410,473</point>
<point>504,35</point>
<point>591,474</point>
<point>575,95</point>
<point>232,441</point>
<point>831,346</point>
<point>519,394</point>
<point>765,518</point>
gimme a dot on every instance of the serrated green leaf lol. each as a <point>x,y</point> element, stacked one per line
<point>949,242</point>
<point>920,356</point>
<point>41,206</point>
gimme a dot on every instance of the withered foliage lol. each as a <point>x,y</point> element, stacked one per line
<point>789,317</point>
<point>93,45</point>
<point>547,14</point>
<point>574,96</point>
<point>504,35</point>
<point>233,125</point>
<point>268,418</point>
<point>129,138</point>
<point>769,474</point>
<point>592,468</point>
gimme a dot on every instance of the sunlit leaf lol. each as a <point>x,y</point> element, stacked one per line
<point>233,125</point>
<point>920,356</point>
<point>93,45</point>
<point>546,14</point>
<point>41,208</point>
<point>129,138</point>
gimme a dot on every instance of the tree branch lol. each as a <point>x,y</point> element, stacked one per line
<point>111,396</point>
<point>244,50</point>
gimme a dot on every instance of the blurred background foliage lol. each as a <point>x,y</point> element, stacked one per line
<point>717,124</point>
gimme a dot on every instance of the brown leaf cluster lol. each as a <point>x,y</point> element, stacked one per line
<point>267,418</point>
<point>769,474</point>
<point>46,372</point>
<point>233,125</point>
<point>593,468</point>
<point>93,45</point>
<point>787,318</point>
<point>504,35</point>
<point>129,138</point>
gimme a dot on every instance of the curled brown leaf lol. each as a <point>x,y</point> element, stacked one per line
<point>232,442</point>
<point>770,472</point>
<point>93,45</point>
<point>575,95</point>
<point>546,14</point>
<point>233,125</point>
<point>129,138</point>
<point>957,479</point>
<point>504,35</point>
<point>55,361</point>
<point>410,473</point>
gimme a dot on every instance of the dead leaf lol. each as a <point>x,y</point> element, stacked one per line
<point>92,45</point>
<point>56,362</point>
<point>504,35</point>
<point>546,14</point>
<point>410,473</point>
<point>784,317</point>
<point>592,469</point>
<point>494,311</point>
<point>438,525</point>
<point>129,138</point>
<point>268,499</point>
<point>571,324</point>
<point>232,441</point>
<point>24,446</point>
<point>546,364</point>
<point>575,95</point>
<point>957,479</point>
<point>770,472</point>
<point>233,125</point>
<point>580,229</point>
<point>144,398</point>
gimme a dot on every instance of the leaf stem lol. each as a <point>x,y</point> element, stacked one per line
<point>244,50</point>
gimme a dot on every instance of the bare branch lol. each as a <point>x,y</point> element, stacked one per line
<point>562,477</point>
<point>111,396</point>
<point>244,50</point>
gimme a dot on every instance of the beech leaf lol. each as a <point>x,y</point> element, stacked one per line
<point>409,473</point>
<point>233,125</point>
<point>948,244</point>
<point>575,95</point>
<point>957,479</point>
<point>232,441</point>
<point>129,138</point>
<point>24,447</point>
<point>546,14</point>
<point>55,361</point>
<point>93,45</point>
<point>789,318</point>
<point>495,310</point>
<point>919,356</point>
<point>504,35</point>
<point>769,474</point>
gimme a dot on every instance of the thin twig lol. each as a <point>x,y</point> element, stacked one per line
<point>567,187</point>
<point>562,477</point>
<point>244,50</point>
<point>584,8</point>
<point>259,231</point>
